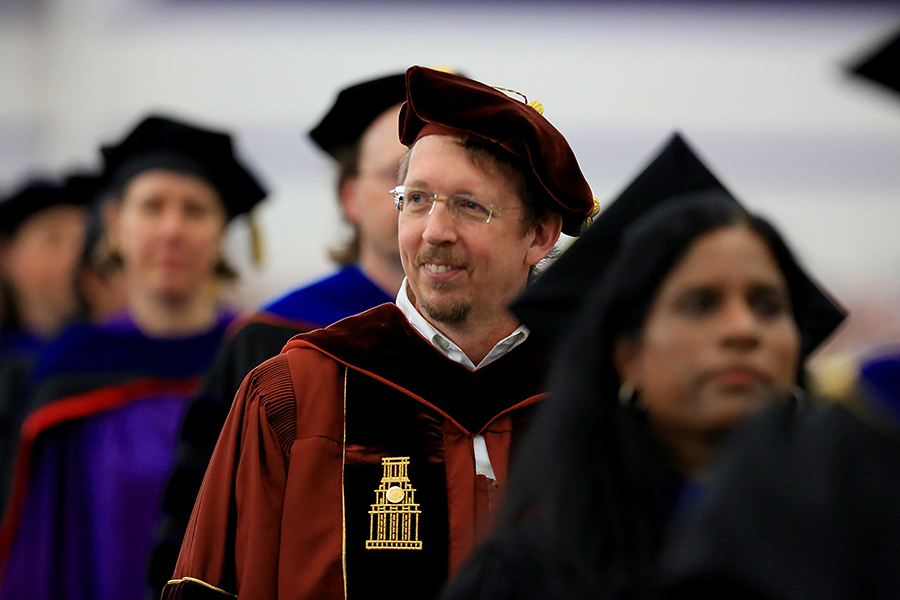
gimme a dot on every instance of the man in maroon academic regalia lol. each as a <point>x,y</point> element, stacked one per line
<point>366,457</point>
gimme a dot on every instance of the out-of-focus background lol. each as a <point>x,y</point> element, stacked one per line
<point>758,87</point>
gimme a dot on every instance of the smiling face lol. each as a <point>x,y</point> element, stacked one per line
<point>168,229</point>
<point>720,340</point>
<point>461,271</point>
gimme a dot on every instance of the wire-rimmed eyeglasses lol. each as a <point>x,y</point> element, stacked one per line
<point>462,207</point>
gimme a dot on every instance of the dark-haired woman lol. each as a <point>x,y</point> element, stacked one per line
<point>698,321</point>
<point>98,443</point>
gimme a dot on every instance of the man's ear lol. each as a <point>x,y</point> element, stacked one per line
<point>544,236</point>
<point>347,196</point>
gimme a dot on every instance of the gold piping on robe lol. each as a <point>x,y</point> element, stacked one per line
<point>202,583</point>
<point>343,502</point>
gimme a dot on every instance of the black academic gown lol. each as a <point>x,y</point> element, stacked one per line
<point>13,379</point>
<point>804,506</point>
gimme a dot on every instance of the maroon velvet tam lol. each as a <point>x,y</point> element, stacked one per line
<point>444,103</point>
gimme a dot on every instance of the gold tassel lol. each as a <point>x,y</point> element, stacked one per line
<point>256,241</point>
<point>590,218</point>
<point>445,69</point>
<point>533,104</point>
<point>537,106</point>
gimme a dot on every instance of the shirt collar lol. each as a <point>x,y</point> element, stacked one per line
<point>445,345</point>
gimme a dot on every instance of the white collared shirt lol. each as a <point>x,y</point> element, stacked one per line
<point>445,346</point>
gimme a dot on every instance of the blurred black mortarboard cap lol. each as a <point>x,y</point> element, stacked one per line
<point>883,65</point>
<point>167,143</point>
<point>40,193</point>
<point>83,187</point>
<point>548,305</point>
<point>354,110</point>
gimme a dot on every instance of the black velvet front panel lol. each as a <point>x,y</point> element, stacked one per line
<point>383,422</point>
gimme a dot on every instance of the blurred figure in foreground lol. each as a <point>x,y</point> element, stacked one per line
<point>806,506</point>
<point>99,437</point>
<point>360,133</point>
<point>803,506</point>
<point>698,318</point>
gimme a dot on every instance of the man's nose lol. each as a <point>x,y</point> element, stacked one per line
<point>441,226</point>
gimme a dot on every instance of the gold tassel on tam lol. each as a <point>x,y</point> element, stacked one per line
<point>594,212</point>
<point>533,104</point>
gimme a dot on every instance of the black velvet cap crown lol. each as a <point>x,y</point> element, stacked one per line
<point>883,66</point>
<point>547,305</point>
<point>41,193</point>
<point>354,110</point>
<point>167,143</point>
<point>461,105</point>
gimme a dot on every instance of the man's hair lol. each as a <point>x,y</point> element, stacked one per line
<point>347,159</point>
<point>532,194</point>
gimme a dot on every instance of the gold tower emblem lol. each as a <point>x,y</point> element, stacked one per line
<point>394,518</point>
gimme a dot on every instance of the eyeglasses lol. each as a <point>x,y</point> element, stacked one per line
<point>462,207</point>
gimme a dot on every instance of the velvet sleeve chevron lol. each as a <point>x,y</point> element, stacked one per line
<point>280,403</point>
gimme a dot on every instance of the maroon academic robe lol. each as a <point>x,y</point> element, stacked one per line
<point>346,467</point>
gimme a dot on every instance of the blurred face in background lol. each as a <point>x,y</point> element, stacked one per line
<point>366,199</point>
<point>168,229</point>
<point>39,262</point>
<point>720,341</point>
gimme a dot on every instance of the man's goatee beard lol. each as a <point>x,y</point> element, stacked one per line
<point>455,313</point>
